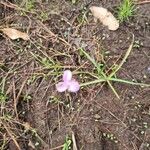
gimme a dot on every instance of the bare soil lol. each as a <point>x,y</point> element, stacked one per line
<point>35,115</point>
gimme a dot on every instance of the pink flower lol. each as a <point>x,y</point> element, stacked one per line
<point>68,83</point>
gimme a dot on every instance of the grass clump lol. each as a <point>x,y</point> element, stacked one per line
<point>30,5</point>
<point>101,76</point>
<point>3,97</point>
<point>126,10</point>
<point>67,144</point>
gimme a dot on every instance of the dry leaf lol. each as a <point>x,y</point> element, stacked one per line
<point>15,34</point>
<point>105,17</point>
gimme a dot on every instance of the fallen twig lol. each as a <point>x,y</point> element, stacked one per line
<point>142,2</point>
<point>11,135</point>
<point>74,142</point>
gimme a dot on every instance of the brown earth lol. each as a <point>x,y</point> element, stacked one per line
<point>35,115</point>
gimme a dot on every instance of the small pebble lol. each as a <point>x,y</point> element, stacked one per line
<point>116,141</point>
<point>37,144</point>
<point>97,116</point>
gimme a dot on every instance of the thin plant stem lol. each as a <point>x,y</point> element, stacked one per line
<point>100,71</point>
<point>113,89</point>
<point>124,59</point>
<point>129,82</point>
<point>92,82</point>
<point>116,80</point>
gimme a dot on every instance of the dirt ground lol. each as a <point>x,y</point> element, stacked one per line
<point>34,115</point>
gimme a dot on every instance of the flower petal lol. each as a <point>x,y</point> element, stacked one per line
<point>73,86</point>
<point>67,75</point>
<point>61,86</point>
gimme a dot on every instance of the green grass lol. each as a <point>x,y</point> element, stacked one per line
<point>126,10</point>
<point>82,18</point>
<point>30,5</point>
<point>43,16</point>
<point>102,77</point>
<point>67,144</point>
<point>3,97</point>
<point>100,74</point>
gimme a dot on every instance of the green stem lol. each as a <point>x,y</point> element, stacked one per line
<point>116,80</point>
<point>99,71</point>
<point>124,59</point>
<point>113,89</point>
<point>129,82</point>
<point>92,82</point>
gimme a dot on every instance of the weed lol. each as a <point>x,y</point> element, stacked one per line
<point>145,124</point>
<point>27,98</point>
<point>3,97</point>
<point>102,77</point>
<point>2,66</point>
<point>126,10</point>
<point>3,143</point>
<point>110,137</point>
<point>137,44</point>
<point>48,63</point>
<point>31,80</point>
<point>45,61</point>
<point>43,16</point>
<point>55,100</point>
<point>82,18</point>
<point>67,144</point>
<point>100,74</point>
<point>30,5</point>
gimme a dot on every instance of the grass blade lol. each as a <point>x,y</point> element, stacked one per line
<point>129,82</point>
<point>99,71</point>
<point>124,59</point>
<point>116,80</point>
<point>89,58</point>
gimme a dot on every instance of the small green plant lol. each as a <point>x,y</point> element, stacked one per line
<point>30,5</point>
<point>3,97</point>
<point>27,98</point>
<point>111,137</point>
<point>55,100</point>
<point>43,16</point>
<point>67,144</point>
<point>126,10</point>
<point>101,76</point>
<point>3,142</point>
<point>82,18</point>
<point>137,44</point>
<point>45,61</point>
<point>31,79</point>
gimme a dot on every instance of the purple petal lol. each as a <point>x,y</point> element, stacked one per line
<point>61,86</point>
<point>73,86</point>
<point>67,76</point>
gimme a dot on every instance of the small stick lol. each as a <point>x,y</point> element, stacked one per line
<point>124,59</point>
<point>11,135</point>
<point>16,98</point>
<point>13,6</point>
<point>74,142</point>
<point>143,2</point>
